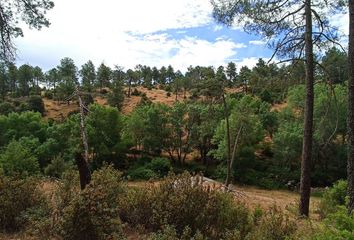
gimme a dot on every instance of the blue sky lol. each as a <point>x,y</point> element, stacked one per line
<point>127,33</point>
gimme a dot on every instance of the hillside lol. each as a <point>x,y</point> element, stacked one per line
<point>60,110</point>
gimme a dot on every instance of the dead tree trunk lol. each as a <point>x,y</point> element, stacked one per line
<point>82,162</point>
<point>305,182</point>
<point>234,153</point>
<point>350,120</point>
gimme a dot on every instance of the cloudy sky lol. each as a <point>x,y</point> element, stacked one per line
<point>127,33</point>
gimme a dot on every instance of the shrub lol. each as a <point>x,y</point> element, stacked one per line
<point>142,173</point>
<point>36,104</point>
<point>57,167</point>
<point>135,92</point>
<point>168,94</point>
<point>337,226</point>
<point>93,214</point>
<point>273,225</point>
<point>18,197</point>
<point>160,166</point>
<point>6,108</point>
<point>179,201</point>
<point>333,198</point>
<point>18,159</point>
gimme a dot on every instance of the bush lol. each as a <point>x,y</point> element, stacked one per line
<point>18,197</point>
<point>136,92</point>
<point>57,167</point>
<point>36,104</point>
<point>273,225</point>
<point>180,201</point>
<point>333,198</point>
<point>160,166</point>
<point>6,108</point>
<point>168,94</point>
<point>142,173</point>
<point>337,226</point>
<point>18,159</point>
<point>93,214</point>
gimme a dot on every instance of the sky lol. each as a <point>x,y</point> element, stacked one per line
<point>130,32</point>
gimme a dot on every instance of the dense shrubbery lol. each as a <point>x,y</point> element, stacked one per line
<point>19,199</point>
<point>94,213</point>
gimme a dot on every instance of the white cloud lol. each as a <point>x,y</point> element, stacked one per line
<point>258,42</point>
<point>125,33</point>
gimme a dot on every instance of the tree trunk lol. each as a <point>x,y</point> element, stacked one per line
<point>83,164</point>
<point>350,120</point>
<point>305,182</point>
<point>228,142</point>
<point>84,171</point>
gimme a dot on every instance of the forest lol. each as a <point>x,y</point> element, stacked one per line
<point>100,152</point>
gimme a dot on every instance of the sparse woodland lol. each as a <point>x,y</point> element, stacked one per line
<point>164,154</point>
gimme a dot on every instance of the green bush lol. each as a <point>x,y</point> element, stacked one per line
<point>94,212</point>
<point>142,173</point>
<point>333,198</point>
<point>337,226</point>
<point>18,197</point>
<point>6,108</point>
<point>18,159</point>
<point>179,201</point>
<point>273,225</point>
<point>36,104</point>
<point>160,166</point>
<point>57,167</point>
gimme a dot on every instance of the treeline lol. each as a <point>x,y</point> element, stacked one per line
<point>268,81</point>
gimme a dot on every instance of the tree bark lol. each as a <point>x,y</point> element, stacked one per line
<point>228,141</point>
<point>84,171</point>
<point>350,120</point>
<point>305,182</point>
<point>82,162</point>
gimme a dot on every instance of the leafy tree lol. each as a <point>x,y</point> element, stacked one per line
<point>36,104</point>
<point>25,77</point>
<point>335,64</point>
<point>13,13</point>
<point>3,81</point>
<point>18,159</point>
<point>104,75</point>
<point>12,76</point>
<point>116,97</point>
<point>38,77</point>
<point>231,73</point>
<point>68,77</point>
<point>104,125</point>
<point>291,34</point>
<point>88,76</point>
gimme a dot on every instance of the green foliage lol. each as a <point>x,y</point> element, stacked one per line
<point>337,226</point>
<point>57,167</point>
<point>18,159</point>
<point>181,202</point>
<point>94,212</point>
<point>35,103</point>
<point>333,198</point>
<point>273,225</point>
<point>160,166</point>
<point>18,197</point>
<point>116,96</point>
<point>104,125</point>
<point>141,173</point>
<point>6,108</point>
